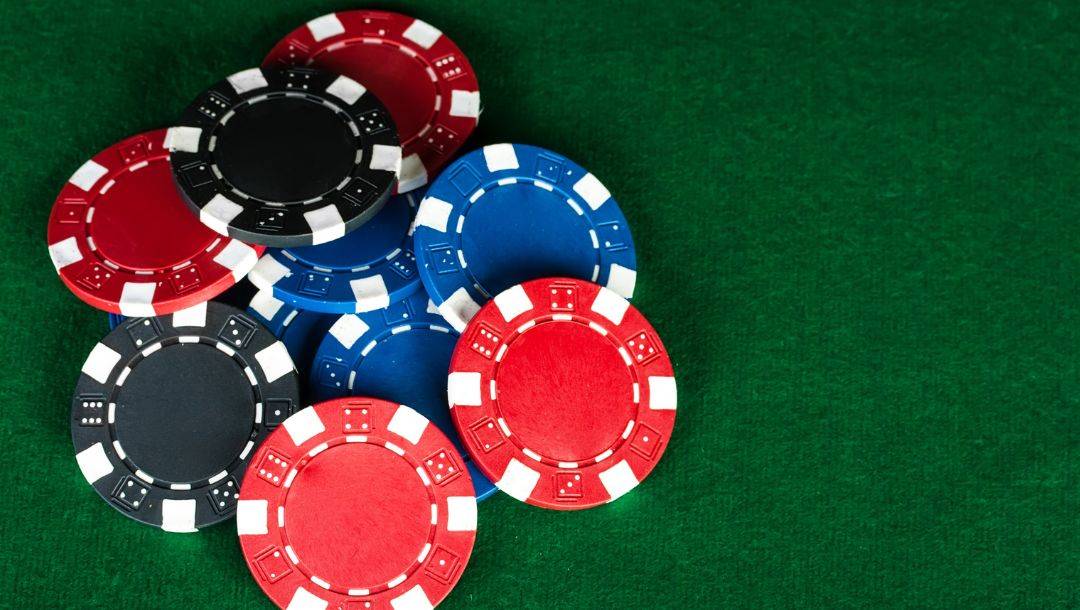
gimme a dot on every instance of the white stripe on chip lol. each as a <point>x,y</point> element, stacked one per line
<point>100,363</point>
<point>370,293</point>
<point>137,299</point>
<point>408,424</point>
<point>251,517</point>
<point>422,33</point>
<point>513,302</point>
<point>324,27</point>
<point>662,393</point>
<point>618,479</point>
<point>219,212</point>
<point>178,516</point>
<point>326,224</point>
<point>610,305</point>
<point>459,309</point>
<point>347,329</point>
<point>275,361</point>
<point>463,389</point>
<point>500,156</point>
<point>238,258</point>
<point>93,462</point>
<point>65,252</point>
<point>434,213</point>
<point>518,480</point>
<point>303,425</point>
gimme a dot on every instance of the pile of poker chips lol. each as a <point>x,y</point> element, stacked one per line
<point>456,331</point>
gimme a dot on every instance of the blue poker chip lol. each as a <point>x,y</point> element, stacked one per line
<point>365,270</point>
<point>300,330</point>
<point>509,213</point>
<point>401,353</point>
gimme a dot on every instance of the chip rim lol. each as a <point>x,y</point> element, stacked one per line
<point>296,443</point>
<point>521,472</point>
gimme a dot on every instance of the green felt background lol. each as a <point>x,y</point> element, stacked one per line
<point>857,226</point>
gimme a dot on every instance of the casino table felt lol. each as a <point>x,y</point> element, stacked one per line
<point>855,228</point>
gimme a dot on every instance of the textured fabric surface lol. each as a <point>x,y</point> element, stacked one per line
<point>857,235</point>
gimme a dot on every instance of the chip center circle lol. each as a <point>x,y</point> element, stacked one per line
<point>184,413</point>
<point>564,391</point>
<point>357,516</point>
<point>400,81</point>
<point>518,232</point>
<point>140,222</point>
<point>285,149</point>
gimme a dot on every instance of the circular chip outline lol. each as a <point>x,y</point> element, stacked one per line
<point>188,506</point>
<point>392,276</point>
<point>437,238</point>
<point>262,512</point>
<point>229,211</point>
<point>216,262</point>
<point>457,110</point>
<point>352,337</point>
<point>523,472</point>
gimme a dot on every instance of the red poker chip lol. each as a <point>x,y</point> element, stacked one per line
<point>421,76</point>
<point>356,503</point>
<point>562,393</point>
<point>124,241</point>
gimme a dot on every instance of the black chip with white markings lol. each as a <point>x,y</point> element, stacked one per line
<point>285,157</point>
<point>168,411</point>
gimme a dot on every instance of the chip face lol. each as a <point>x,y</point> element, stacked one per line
<point>123,240</point>
<point>423,78</point>
<point>508,213</point>
<point>368,269</point>
<point>357,503</point>
<point>290,157</point>
<point>401,354</point>
<point>563,393</point>
<point>168,410</point>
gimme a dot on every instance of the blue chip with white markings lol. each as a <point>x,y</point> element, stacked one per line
<point>400,353</point>
<point>367,269</point>
<point>509,213</point>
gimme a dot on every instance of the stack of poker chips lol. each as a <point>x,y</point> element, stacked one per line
<point>426,331</point>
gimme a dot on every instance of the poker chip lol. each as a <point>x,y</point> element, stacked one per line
<point>300,330</point>
<point>122,239</point>
<point>285,157</point>
<point>167,411</point>
<point>402,354</point>
<point>417,71</point>
<point>368,269</point>
<point>356,503</point>
<point>563,393</point>
<point>508,213</point>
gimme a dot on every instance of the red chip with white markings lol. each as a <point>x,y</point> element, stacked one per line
<point>424,79</point>
<point>124,241</point>
<point>356,503</point>
<point>562,393</point>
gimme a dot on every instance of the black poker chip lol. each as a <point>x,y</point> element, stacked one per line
<point>285,157</point>
<point>168,411</point>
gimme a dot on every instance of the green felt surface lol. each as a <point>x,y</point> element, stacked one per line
<point>857,228</point>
